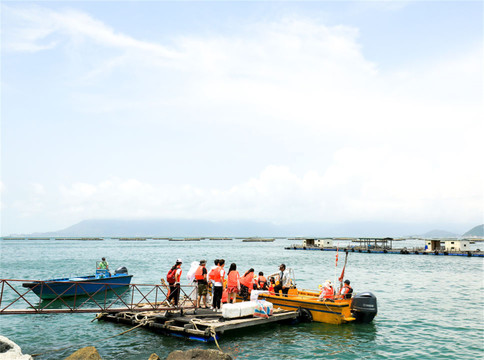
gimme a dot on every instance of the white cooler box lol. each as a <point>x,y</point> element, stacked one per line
<point>230,311</point>
<point>242,309</point>
<point>247,308</point>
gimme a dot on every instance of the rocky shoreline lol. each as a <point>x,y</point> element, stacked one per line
<point>11,351</point>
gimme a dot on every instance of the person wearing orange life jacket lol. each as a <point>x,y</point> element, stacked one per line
<point>272,283</point>
<point>327,292</point>
<point>261,281</point>
<point>218,285</point>
<point>210,280</point>
<point>246,284</point>
<point>175,287</point>
<point>201,279</point>
<point>347,290</point>
<point>233,283</point>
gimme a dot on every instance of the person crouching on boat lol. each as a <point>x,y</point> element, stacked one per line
<point>327,292</point>
<point>346,291</point>
<point>261,281</point>
<point>272,283</point>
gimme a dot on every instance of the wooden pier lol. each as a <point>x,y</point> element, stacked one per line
<point>199,324</point>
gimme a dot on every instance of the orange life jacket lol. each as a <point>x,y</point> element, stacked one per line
<point>199,273</point>
<point>247,279</point>
<point>216,274</point>
<point>261,282</point>
<point>211,273</point>
<point>328,293</point>
<point>347,291</point>
<point>232,278</point>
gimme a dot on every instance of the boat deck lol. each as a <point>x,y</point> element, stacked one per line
<point>200,324</point>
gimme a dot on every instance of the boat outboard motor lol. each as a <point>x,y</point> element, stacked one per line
<point>121,270</point>
<point>363,307</point>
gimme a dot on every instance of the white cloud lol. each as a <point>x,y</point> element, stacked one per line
<point>407,143</point>
<point>358,186</point>
<point>30,26</point>
<point>291,73</point>
<point>38,189</point>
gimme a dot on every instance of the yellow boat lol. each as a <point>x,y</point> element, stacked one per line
<point>361,308</point>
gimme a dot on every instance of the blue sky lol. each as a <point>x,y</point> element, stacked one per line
<point>268,111</point>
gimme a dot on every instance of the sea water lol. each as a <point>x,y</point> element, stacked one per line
<point>429,307</point>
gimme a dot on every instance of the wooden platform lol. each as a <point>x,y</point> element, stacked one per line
<point>201,324</point>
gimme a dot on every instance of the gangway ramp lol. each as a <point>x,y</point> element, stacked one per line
<point>15,299</point>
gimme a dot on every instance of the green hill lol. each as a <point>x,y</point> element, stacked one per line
<point>475,231</point>
<point>439,234</point>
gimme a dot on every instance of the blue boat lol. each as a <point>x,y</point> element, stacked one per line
<point>80,285</point>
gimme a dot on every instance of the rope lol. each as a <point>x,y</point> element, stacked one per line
<point>194,323</point>
<point>214,335</point>
<point>98,316</point>
<point>143,322</point>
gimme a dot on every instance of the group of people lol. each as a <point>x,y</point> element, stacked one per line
<point>216,280</point>
<point>219,282</point>
<point>328,293</point>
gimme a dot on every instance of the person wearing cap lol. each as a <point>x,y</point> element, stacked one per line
<point>284,281</point>
<point>201,279</point>
<point>327,292</point>
<point>175,288</point>
<point>347,290</point>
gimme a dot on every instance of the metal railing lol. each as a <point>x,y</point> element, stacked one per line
<point>14,299</point>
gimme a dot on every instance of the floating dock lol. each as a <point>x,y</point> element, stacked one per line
<point>258,240</point>
<point>394,251</point>
<point>200,324</point>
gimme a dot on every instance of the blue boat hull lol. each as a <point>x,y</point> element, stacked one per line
<point>78,286</point>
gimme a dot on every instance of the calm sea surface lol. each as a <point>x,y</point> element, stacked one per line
<point>430,307</point>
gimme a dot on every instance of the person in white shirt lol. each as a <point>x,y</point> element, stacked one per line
<point>284,281</point>
<point>218,288</point>
<point>210,274</point>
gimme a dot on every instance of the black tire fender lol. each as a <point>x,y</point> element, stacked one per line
<point>305,315</point>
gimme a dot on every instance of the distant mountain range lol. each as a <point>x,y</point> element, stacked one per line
<point>188,228</point>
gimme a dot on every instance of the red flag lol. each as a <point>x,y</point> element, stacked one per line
<point>340,279</point>
<point>336,265</point>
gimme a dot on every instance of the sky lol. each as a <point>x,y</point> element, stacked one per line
<point>282,112</point>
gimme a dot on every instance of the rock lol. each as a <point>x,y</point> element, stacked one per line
<point>11,351</point>
<point>87,353</point>
<point>154,357</point>
<point>198,354</point>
